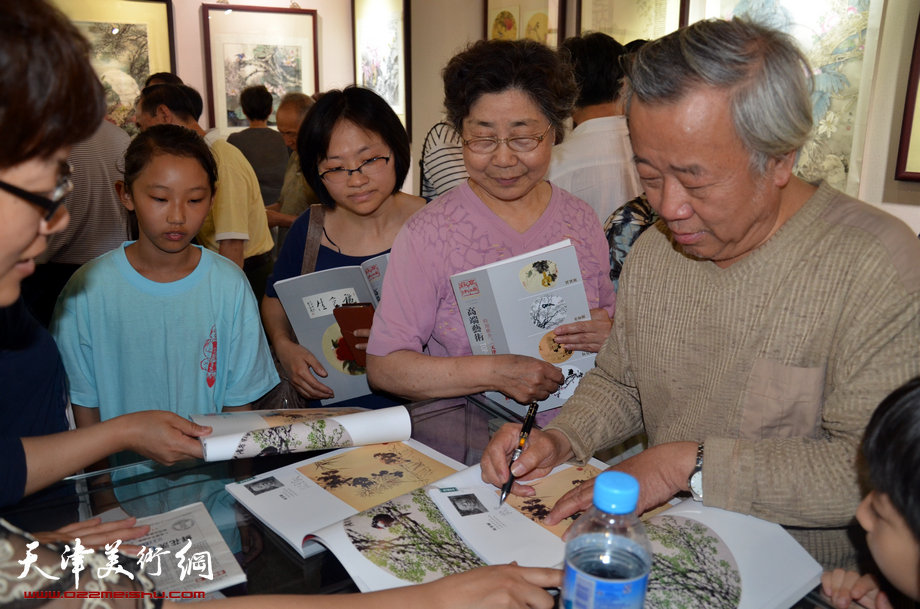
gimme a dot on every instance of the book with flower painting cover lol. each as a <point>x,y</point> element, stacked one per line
<point>703,557</point>
<point>260,433</point>
<point>512,307</point>
<point>309,302</point>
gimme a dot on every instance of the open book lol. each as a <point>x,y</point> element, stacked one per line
<point>309,301</point>
<point>299,499</point>
<point>513,306</point>
<point>703,557</point>
<point>237,435</point>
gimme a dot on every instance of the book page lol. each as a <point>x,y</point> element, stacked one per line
<point>238,435</point>
<point>207,563</point>
<point>301,498</point>
<point>548,491</point>
<point>370,475</point>
<point>705,557</point>
<point>700,549</point>
<point>455,524</point>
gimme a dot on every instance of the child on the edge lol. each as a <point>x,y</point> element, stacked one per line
<point>890,513</point>
<point>158,323</point>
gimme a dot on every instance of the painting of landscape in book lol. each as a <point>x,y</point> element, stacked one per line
<point>294,431</point>
<point>549,490</point>
<point>691,566</point>
<point>409,538</point>
<point>369,475</point>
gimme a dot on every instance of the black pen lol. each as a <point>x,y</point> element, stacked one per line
<point>525,431</point>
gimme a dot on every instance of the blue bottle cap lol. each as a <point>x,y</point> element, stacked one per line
<point>616,493</point>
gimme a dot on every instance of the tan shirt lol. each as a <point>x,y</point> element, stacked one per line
<point>237,212</point>
<point>775,362</point>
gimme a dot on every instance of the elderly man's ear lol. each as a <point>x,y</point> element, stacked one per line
<point>782,169</point>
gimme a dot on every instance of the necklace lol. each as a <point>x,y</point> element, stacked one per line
<point>325,234</point>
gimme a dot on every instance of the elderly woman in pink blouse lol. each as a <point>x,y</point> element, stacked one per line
<point>508,101</point>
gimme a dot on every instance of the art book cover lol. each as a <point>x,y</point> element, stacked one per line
<point>258,433</point>
<point>513,306</point>
<point>299,499</point>
<point>703,557</point>
<point>309,301</point>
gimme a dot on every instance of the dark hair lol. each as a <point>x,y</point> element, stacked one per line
<point>256,102</point>
<point>634,45</point>
<point>168,139</point>
<point>762,69</point>
<point>494,66</point>
<point>595,59</point>
<point>182,100</point>
<point>891,448</point>
<point>163,78</point>
<point>50,96</point>
<point>365,109</point>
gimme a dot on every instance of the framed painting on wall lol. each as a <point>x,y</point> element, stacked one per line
<point>131,39</point>
<point>834,36</point>
<point>382,52</point>
<point>628,20</point>
<point>908,167</point>
<point>540,20</point>
<point>256,45</point>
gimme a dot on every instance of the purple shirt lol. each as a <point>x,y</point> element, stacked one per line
<point>457,232</point>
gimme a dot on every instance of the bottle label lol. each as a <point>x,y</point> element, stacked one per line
<point>582,591</point>
<point>604,577</point>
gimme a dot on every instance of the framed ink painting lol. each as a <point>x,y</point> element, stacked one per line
<point>540,20</point>
<point>256,45</point>
<point>131,39</point>
<point>382,52</point>
<point>628,20</point>
<point>908,167</point>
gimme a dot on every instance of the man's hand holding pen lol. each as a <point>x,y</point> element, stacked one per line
<point>543,452</point>
<point>522,440</point>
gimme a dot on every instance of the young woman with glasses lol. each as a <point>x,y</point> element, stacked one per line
<point>354,153</point>
<point>507,100</point>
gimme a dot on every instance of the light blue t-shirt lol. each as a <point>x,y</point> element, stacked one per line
<point>189,346</point>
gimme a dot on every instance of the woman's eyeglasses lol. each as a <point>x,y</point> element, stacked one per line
<point>49,204</point>
<point>523,143</point>
<point>369,168</point>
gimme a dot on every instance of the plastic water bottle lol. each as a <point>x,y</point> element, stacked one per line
<point>608,557</point>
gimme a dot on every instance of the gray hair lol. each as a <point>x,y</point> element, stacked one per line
<point>301,102</point>
<point>767,76</point>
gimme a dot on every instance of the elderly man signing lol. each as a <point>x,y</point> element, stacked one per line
<point>759,322</point>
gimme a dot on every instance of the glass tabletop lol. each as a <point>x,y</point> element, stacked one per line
<point>458,428</point>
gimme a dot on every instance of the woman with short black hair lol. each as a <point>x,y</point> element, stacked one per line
<point>508,101</point>
<point>354,154</point>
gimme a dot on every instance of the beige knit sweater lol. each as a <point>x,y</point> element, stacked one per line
<point>775,362</point>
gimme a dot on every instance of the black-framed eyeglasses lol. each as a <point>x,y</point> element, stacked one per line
<point>49,204</point>
<point>368,168</point>
<point>521,143</point>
